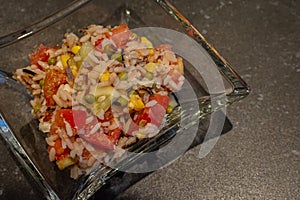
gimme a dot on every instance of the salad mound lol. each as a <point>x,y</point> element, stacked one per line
<point>100,93</point>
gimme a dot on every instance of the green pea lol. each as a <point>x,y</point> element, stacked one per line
<point>37,107</point>
<point>149,75</point>
<point>108,49</point>
<point>89,98</point>
<point>117,56</point>
<point>42,82</point>
<point>52,61</point>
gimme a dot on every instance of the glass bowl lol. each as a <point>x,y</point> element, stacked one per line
<point>18,126</point>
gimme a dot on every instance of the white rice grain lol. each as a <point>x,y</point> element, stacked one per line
<point>85,38</point>
<point>151,103</point>
<point>52,153</point>
<point>68,129</point>
<point>58,100</point>
<point>95,128</point>
<point>43,64</point>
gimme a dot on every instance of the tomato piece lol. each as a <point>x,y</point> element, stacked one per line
<point>114,135</point>
<point>98,45</point>
<point>99,141</point>
<point>157,114</point>
<point>120,35</point>
<point>40,54</point>
<point>54,78</point>
<point>58,147</point>
<point>161,100</point>
<point>76,118</point>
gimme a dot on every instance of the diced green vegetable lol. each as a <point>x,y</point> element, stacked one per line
<point>41,83</point>
<point>37,107</point>
<point>117,56</point>
<point>123,76</point>
<point>122,101</point>
<point>108,49</point>
<point>52,61</point>
<point>85,49</point>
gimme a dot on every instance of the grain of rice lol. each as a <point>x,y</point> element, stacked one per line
<point>95,128</point>
<point>91,161</point>
<point>58,100</point>
<point>84,38</point>
<point>63,144</point>
<point>130,141</point>
<point>113,126</point>
<point>49,141</point>
<point>62,93</point>
<point>52,153</point>
<point>36,92</point>
<point>69,143</point>
<point>89,119</point>
<point>58,52</point>
<point>68,129</point>
<point>43,64</point>
<point>92,56</point>
<point>38,77</point>
<point>151,103</point>
<point>101,114</point>
<point>77,58</point>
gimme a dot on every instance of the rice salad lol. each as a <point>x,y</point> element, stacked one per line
<point>100,92</point>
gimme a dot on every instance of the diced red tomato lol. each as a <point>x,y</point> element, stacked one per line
<point>153,115</point>
<point>40,54</point>
<point>120,35</point>
<point>54,78</point>
<point>99,141</point>
<point>76,118</point>
<point>161,99</point>
<point>98,45</point>
<point>114,135</point>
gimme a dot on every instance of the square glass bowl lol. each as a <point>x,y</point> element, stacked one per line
<point>18,126</point>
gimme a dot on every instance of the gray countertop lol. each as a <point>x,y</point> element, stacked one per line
<point>260,157</point>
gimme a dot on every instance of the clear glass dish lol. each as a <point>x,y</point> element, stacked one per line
<point>19,128</point>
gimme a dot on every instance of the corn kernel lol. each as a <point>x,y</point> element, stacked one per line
<point>75,49</point>
<point>73,70</point>
<point>64,59</point>
<point>136,102</point>
<point>145,40</point>
<point>139,135</point>
<point>180,65</point>
<point>151,52</point>
<point>104,76</point>
<point>150,67</point>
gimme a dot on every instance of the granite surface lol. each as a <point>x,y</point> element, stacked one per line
<point>260,157</point>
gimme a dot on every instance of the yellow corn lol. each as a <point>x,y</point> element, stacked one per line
<point>150,67</point>
<point>139,135</point>
<point>65,162</point>
<point>145,40</point>
<point>73,70</point>
<point>136,102</point>
<point>180,65</point>
<point>64,59</point>
<point>104,76</point>
<point>151,52</point>
<point>75,49</point>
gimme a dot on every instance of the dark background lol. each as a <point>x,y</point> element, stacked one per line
<point>260,157</point>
